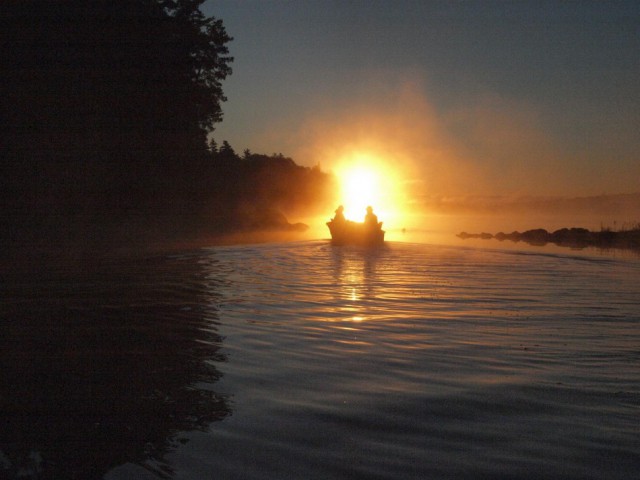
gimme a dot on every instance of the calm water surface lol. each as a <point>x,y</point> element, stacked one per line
<point>304,360</point>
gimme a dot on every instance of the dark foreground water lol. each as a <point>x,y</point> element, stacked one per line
<point>304,360</point>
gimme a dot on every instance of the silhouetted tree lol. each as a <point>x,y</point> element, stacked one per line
<point>104,117</point>
<point>105,105</point>
<point>199,46</point>
<point>227,152</point>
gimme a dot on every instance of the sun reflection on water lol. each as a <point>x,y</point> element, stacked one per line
<point>355,277</point>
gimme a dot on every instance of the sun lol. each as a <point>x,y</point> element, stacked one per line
<point>366,180</point>
<point>360,188</point>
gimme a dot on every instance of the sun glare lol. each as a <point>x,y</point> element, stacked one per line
<point>368,181</point>
<point>360,188</point>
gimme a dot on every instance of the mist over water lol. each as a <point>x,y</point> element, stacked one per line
<point>303,360</point>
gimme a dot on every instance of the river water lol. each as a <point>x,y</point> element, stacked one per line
<point>304,360</point>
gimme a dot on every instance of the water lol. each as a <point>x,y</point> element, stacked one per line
<point>304,360</point>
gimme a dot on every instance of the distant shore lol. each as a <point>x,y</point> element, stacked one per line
<point>568,237</point>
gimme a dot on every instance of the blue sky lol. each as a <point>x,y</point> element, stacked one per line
<point>523,95</point>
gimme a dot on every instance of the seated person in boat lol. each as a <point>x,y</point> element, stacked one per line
<point>339,218</point>
<point>371,220</point>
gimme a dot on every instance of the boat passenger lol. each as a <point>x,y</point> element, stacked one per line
<point>371,219</point>
<point>339,218</point>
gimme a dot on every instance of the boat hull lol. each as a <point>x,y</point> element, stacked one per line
<point>353,233</point>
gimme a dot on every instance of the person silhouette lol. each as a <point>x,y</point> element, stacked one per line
<point>339,218</point>
<point>370,219</point>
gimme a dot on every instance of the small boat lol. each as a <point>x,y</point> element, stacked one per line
<point>353,233</point>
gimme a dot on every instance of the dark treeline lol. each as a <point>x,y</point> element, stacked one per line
<point>105,113</point>
<point>253,190</point>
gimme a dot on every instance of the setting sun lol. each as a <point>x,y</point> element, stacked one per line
<point>367,180</point>
<point>360,188</point>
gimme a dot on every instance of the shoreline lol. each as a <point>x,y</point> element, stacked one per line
<point>576,238</point>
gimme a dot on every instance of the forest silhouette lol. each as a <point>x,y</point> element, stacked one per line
<point>106,113</point>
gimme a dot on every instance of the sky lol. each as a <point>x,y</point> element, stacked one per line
<point>462,97</point>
